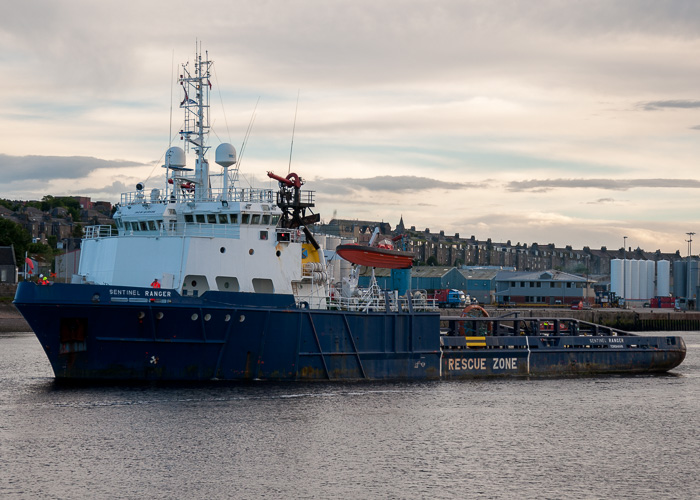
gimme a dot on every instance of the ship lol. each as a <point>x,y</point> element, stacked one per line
<point>203,279</point>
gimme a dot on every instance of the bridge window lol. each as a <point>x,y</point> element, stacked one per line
<point>275,219</point>
<point>245,218</point>
<point>255,219</point>
<point>266,220</point>
<point>151,225</point>
<point>234,218</point>
<point>200,218</point>
<point>223,219</point>
<point>189,218</point>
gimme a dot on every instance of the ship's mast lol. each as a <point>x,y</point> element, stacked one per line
<point>195,131</point>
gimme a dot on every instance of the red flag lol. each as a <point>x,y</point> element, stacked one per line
<point>209,83</point>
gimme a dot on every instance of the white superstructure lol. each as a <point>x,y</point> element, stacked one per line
<point>202,232</point>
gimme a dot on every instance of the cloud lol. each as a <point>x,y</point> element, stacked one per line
<point>541,185</point>
<point>385,183</point>
<point>49,168</point>
<point>673,103</point>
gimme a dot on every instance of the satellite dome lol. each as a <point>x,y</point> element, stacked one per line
<point>175,157</point>
<point>225,154</point>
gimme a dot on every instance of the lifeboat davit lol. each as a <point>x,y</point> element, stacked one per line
<point>375,256</point>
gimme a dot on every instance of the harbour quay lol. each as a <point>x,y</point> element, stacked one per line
<point>633,319</point>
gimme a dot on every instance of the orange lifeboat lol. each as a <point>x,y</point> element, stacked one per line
<point>385,258</point>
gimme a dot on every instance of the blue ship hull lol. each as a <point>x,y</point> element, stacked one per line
<point>98,332</point>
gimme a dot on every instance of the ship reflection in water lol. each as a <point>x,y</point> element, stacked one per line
<point>591,437</point>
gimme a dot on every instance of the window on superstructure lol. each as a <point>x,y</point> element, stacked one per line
<point>211,218</point>
<point>255,219</point>
<point>266,220</point>
<point>223,219</point>
<point>263,235</point>
<point>143,225</point>
<point>151,225</point>
<point>234,218</point>
<point>275,219</point>
<point>245,218</point>
<point>200,218</point>
<point>189,218</point>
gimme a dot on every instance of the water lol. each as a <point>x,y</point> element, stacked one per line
<point>602,437</point>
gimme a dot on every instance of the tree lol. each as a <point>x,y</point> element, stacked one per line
<point>13,234</point>
<point>581,269</point>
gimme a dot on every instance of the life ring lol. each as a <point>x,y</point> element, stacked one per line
<point>473,311</point>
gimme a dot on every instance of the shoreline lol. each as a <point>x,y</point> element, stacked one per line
<point>11,320</point>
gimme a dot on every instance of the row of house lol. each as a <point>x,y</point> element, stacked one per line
<point>444,250</point>
<point>58,222</point>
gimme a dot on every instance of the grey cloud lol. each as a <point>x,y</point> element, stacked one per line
<point>384,183</point>
<point>541,185</point>
<point>46,168</point>
<point>600,201</point>
<point>672,103</point>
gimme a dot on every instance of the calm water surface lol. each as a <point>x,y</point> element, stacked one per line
<point>603,437</point>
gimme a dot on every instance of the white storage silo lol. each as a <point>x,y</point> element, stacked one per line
<point>651,267</point>
<point>616,276</point>
<point>627,278</point>
<point>320,239</point>
<point>663,278</point>
<point>643,282</point>
<point>634,280</point>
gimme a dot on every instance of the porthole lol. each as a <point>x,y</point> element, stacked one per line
<point>194,283</point>
<point>142,314</point>
<point>251,251</point>
<point>195,316</point>
<point>227,318</point>
<point>278,253</point>
<point>241,318</point>
<point>226,285</point>
<point>159,315</point>
<point>207,317</point>
<point>222,250</point>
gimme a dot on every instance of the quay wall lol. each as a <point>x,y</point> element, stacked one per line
<point>632,320</point>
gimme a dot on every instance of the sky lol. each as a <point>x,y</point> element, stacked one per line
<point>566,122</point>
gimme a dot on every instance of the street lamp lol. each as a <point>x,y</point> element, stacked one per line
<point>624,264</point>
<point>690,242</point>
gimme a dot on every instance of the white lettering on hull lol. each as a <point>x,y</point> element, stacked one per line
<point>480,364</point>
<point>126,292</point>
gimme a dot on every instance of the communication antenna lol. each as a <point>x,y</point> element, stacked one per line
<point>247,133</point>
<point>172,84</point>
<point>294,127</point>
